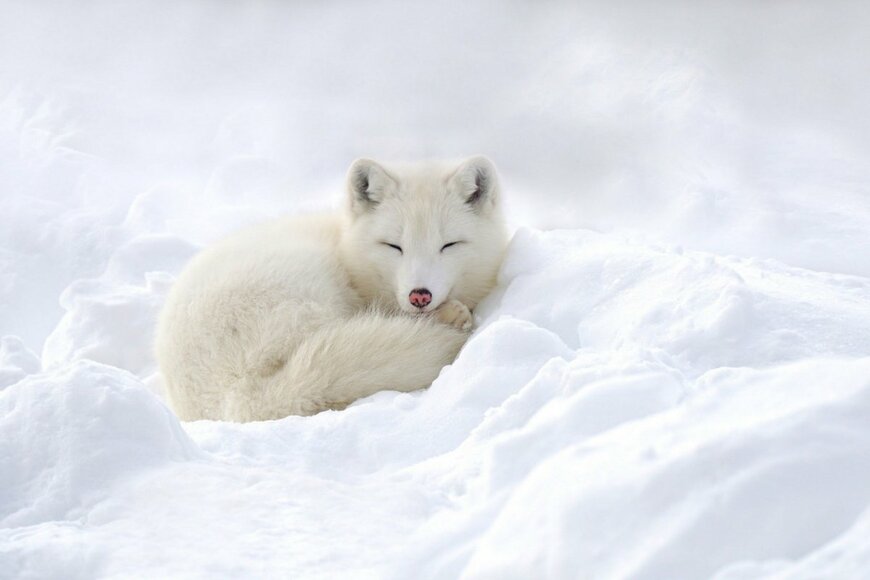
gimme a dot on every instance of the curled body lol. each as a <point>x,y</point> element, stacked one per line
<point>311,313</point>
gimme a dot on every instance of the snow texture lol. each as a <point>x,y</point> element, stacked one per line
<point>672,379</point>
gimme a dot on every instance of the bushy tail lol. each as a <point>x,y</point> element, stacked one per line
<point>345,360</point>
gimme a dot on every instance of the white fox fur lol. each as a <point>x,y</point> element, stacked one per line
<point>311,313</point>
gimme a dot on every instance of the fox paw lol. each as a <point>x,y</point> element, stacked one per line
<point>456,314</point>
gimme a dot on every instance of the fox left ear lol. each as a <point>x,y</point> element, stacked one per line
<point>476,181</point>
<point>368,184</point>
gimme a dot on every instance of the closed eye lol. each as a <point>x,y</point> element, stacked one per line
<point>394,246</point>
<point>445,246</point>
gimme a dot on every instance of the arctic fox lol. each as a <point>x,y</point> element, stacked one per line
<point>307,314</point>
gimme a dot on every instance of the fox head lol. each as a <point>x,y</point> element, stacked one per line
<point>420,235</point>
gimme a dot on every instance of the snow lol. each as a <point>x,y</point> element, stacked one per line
<point>672,379</point>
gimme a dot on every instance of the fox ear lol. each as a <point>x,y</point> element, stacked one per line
<point>476,181</point>
<point>367,184</point>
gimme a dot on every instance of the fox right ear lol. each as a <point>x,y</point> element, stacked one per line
<point>367,184</point>
<point>476,181</point>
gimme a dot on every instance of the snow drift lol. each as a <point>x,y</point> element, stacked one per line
<point>663,413</point>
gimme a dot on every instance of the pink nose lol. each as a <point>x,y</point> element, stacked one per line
<point>420,297</point>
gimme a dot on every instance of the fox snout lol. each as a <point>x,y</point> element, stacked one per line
<point>420,297</point>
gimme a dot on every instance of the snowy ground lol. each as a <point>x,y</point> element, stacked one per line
<point>671,381</point>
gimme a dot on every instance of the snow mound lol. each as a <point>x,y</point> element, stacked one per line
<point>16,361</point>
<point>700,310</point>
<point>732,475</point>
<point>624,410</point>
<point>68,437</point>
<point>110,318</point>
